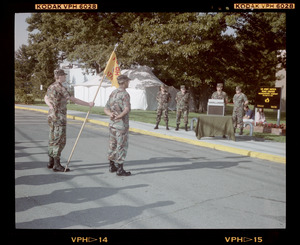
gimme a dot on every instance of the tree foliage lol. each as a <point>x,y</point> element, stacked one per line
<point>182,48</point>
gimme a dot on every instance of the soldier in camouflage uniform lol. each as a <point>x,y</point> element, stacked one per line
<point>56,98</point>
<point>163,98</point>
<point>118,108</point>
<point>182,99</point>
<point>220,94</point>
<point>239,100</point>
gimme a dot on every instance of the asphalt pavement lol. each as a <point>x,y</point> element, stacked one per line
<point>174,184</point>
<point>244,145</point>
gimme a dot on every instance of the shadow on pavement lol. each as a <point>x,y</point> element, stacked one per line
<point>70,195</point>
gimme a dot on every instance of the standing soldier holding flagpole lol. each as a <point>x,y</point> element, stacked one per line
<point>56,98</point>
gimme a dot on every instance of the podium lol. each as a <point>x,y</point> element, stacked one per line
<point>216,107</point>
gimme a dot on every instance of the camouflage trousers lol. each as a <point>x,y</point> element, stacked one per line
<point>160,112</point>
<point>237,118</point>
<point>118,145</point>
<point>185,113</point>
<point>57,139</point>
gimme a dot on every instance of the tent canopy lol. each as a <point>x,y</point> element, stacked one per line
<point>142,89</point>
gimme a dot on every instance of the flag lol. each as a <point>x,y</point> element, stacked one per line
<point>112,70</point>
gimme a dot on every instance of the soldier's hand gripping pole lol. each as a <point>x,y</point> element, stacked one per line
<point>87,115</point>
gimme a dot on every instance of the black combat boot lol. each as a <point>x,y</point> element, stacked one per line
<point>121,171</point>
<point>51,162</point>
<point>186,129</point>
<point>177,127</point>
<point>167,126</point>
<point>57,167</point>
<point>156,127</point>
<point>112,167</point>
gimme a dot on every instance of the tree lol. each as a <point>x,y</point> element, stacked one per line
<point>85,37</point>
<point>260,38</point>
<point>184,48</point>
<point>24,61</point>
<point>189,48</point>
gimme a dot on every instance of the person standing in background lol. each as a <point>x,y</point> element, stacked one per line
<point>239,100</point>
<point>182,99</point>
<point>163,98</point>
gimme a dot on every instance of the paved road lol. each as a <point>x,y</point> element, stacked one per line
<point>173,185</point>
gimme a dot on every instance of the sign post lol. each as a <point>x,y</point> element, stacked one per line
<point>269,98</point>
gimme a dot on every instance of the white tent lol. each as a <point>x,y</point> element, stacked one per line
<point>143,89</point>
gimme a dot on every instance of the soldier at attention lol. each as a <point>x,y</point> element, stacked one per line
<point>163,98</point>
<point>56,98</point>
<point>182,108</point>
<point>118,108</point>
<point>239,100</point>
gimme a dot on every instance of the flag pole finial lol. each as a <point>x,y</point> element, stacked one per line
<point>116,45</point>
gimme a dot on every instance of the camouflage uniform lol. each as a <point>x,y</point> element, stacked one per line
<point>162,106</point>
<point>182,101</point>
<point>57,118</point>
<point>222,96</point>
<point>238,110</point>
<point>118,100</point>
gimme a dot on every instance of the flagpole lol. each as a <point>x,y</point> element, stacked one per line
<point>87,115</point>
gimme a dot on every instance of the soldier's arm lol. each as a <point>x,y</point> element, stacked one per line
<point>109,113</point>
<point>47,101</point>
<point>176,98</point>
<point>127,107</point>
<point>51,107</point>
<point>124,113</point>
<point>246,102</point>
<point>226,99</point>
<point>81,102</point>
<point>158,96</point>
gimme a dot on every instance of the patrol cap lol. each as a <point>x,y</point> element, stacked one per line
<point>238,88</point>
<point>220,85</point>
<point>60,72</point>
<point>182,86</point>
<point>122,79</point>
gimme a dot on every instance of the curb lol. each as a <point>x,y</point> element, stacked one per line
<point>264,156</point>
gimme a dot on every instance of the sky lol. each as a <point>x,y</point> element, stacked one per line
<point>21,34</point>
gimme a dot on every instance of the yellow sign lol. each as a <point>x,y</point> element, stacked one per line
<point>268,98</point>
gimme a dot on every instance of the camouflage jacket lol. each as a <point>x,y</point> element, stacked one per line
<point>182,100</point>
<point>163,100</point>
<point>238,101</point>
<point>118,100</point>
<point>221,96</point>
<point>58,97</point>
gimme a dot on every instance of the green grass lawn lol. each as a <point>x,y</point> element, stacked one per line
<point>150,117</point>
